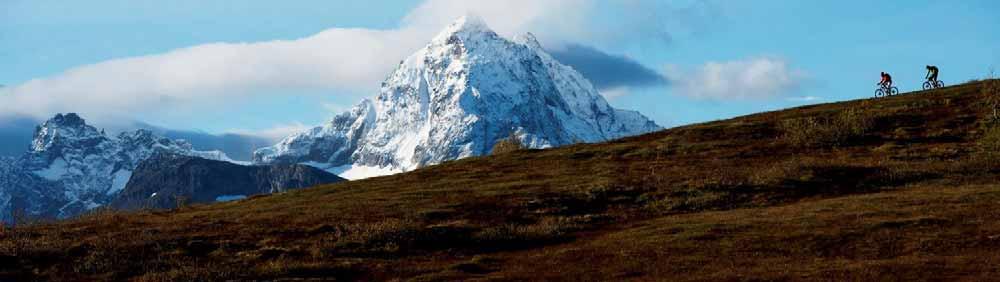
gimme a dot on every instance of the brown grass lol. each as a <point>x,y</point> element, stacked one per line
<point>840,129</point>
<point>892,189</point>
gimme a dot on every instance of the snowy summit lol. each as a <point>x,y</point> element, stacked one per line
<point>455,98</point>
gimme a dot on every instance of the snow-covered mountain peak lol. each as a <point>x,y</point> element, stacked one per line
<point>529,39</point>
<point>143,138</point>
<point>64,130</point>
<point>67,120</point>
<point>465,28</point>
<point>139,135</point>
<point>455,98</point>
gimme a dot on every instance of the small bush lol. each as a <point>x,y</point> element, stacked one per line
<point>393,237</point>
<point>181,202</point>
<point>989,143</point>
<point>991,92</point>
<point>387,236</point>
<point>507,145</point>
<point>508,235</point>
<point>836,130</point>
<point>691,201</point>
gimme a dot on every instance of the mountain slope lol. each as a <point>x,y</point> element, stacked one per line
<point>901,188</point>
<point>163,179</point>
<point>455,98</point>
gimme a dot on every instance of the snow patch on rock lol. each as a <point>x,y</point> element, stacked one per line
<point>55,171</point>
<point>357,172</point>
<point>119,181</point>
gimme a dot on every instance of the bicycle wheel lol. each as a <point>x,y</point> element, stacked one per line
<point>893,91</point>
<point>928,85</point>
<point>938,84</point>
<point>879,93</point>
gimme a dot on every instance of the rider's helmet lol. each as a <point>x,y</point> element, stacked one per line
<point>928,66</point>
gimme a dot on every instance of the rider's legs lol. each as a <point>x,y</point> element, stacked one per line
<point>933,77</point>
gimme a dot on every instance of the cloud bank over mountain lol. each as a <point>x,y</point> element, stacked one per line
<point>16,134</point>
<point>337,58</point>
<point>607,71</point>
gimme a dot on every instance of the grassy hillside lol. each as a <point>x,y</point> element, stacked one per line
<point>901,188</point>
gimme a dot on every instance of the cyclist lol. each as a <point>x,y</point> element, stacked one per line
<point>886,80</point>
<point>932,73</point>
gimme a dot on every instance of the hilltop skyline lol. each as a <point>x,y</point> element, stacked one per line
<point>679,62</point>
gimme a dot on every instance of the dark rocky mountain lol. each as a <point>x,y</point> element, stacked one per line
<point>163,180</point>
<point>71,167</point>
<point>23,194</point>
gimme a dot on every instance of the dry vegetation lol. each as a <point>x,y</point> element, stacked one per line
<point>508,145</point>
<point>901,188</point>
<point>840,129</point>
<point>991,92</point>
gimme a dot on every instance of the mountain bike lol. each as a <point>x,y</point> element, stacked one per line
<point>933,84</point>
<point>883,91</point>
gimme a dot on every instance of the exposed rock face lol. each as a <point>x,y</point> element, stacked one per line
<point>161,180</point>
<point>25,194</point>
<point>455,98</point>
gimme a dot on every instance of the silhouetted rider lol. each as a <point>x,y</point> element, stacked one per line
<point>886,80</point>
<point>932,73</point>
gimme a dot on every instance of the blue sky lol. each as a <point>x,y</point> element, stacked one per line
<point>795,52</point>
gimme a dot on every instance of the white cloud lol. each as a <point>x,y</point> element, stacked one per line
<point>553,21</point>
<point>615,92</point>
<point>216,71</point>
<point>275,133</point>
<point>337,58</point>
<point>804,99</point>
<point>334,108</point>
<point>353,59</point>
<point>756,78</point>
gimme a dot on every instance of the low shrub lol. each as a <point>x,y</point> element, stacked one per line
<point>991,93</point>
<point>507,145</point>
<point>383,237</point>
<point>989,142</point>
<point>836,130</point>
<point>521,235</point>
